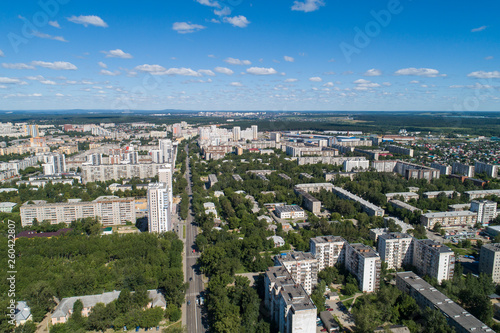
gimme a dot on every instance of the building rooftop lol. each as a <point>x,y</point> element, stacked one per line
<point>296,297</point>
<point>288,208</point>
<point>327,239</point>
<point>450,214</point>
<point>485,192</point>
<point>365,250</point>
<point>295,256</point>
<point>404,194</point>
<point>451,309</point>
<point>437,192</point>
<point>395,235</point>
<point>492,246</point>
<point>435,245</point>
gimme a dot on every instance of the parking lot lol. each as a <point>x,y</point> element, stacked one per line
<point>345,317</point>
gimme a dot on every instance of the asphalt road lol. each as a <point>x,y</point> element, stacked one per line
<point>194,319</point>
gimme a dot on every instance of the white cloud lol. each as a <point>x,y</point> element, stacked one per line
<point>236,84</point>
<point>223,12</point>
<point>361,81</point>
<point>223,70</point>
<point>261,71</point>
<point>206,72</point>
<point>289,59</point>
<point>479,29</point>
<point>48,82</point>
<point>488,58</point>
<point>35,78</point>
<point>209,3</point>
<point>47,36</point>
<point>363,85</point>
<point>109,73</point>
<point>160,70</point>
<point>55,24</point>
<point>8,80</point>
<point>428,72</point>
<point>17,66</point>
<point>87,20</point>
<point>103,65</point>
<point>328,84</point>
<point>57,65</point>
<point>117,54</point>
<point>239,21</point>
<point>485,75</point>
<point>315,79</point>
<point>59,95</point>
<point>291,80</point>
<point>308,5</point>
<point>214,20</point>
<point>373,72</point>
<point>414,82</point>
<point>186,28</point>
<point>150,68</point>
<point>234,61</point>
<point>2,54</point>
<point>387,84</point>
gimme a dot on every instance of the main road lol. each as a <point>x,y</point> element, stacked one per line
<point>193,276</point>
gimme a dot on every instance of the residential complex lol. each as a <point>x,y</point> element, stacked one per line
<point>110,210</point>
<point>289,212</point>
<point>427,296</point>
<point>489,169</point>
<point>462,169</point>
<point>367,206</point>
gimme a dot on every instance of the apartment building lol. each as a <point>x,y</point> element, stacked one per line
<point>486,210</point>
<point>427,296</point>
<point>110,210</point>
<point>367,206</point>
<point>433,259</point>
<point>404,205</point>
<point>105,172</point>
<point>489,261</point>
<point>309,202</point>
<point>434,194</point>
<point>405,195</point>
<point>462,169</point>
<point>399,150</point>
<point>443,169</point>
<point>54,163</point>
<point>302,266</point>
<point>481,193</point>
<point>364,263</point>
<point>449,219</point>
<point>490,169</point>
<point>288,303</point>
<point>329,250</point>
<point>396,249</point>
<point>159,217</point>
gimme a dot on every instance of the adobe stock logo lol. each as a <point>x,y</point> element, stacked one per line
<point>372,29</point>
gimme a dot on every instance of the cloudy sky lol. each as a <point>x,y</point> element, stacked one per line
<point>250,55</point>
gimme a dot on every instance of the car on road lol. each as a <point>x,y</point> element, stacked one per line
<point>189,302</point>
<point>191,278</point>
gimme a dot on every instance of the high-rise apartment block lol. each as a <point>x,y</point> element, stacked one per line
<point>486,210</point>
<point>236,133</point>
<point>288,303</point>
<point>303,267</point>
<point>54,164</point>
<point>255,132</point>
<point>489,261</point>
<point>329,250</point>
<point>396,249</point>
<point>364,263</point>
<point>433,259</point>
<point>490,169</point>
<point>159,217</point>
<point>462,169</point>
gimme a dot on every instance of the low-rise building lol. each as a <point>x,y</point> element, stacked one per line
<point>405,195</point>
<point>6,207</point>
<point>434,194</point>
<point>367,206</point>
<point>481,193</point>
<point>449,219</point>
<point>404,205</point>
<point>289,212</point>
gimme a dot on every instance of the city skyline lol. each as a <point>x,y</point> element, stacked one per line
<point>246,55</point>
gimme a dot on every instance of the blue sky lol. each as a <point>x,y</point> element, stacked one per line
<point>250,55</point>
